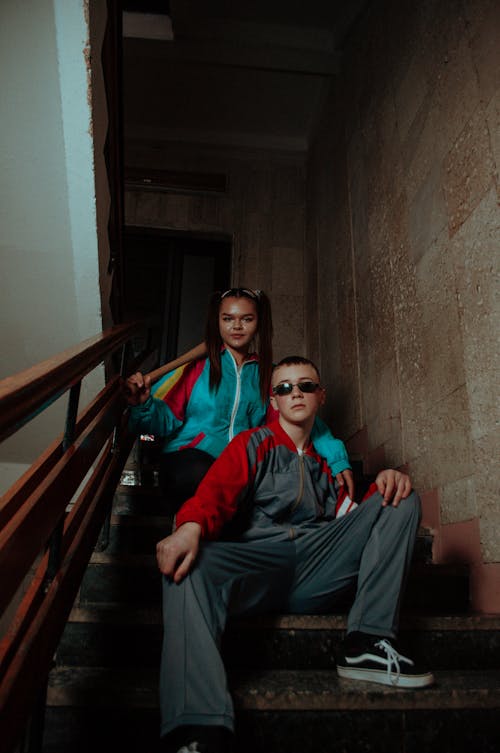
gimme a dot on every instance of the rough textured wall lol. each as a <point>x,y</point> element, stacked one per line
<point>262,210</point>
<point>330,305</point>
<point>413,194</point>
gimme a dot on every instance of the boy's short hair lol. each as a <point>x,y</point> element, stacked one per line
<point>293,360</point>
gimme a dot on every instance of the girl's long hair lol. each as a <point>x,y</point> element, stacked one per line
<point>264,336</point>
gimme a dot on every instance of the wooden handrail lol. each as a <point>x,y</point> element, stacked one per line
<point>45,543</point>
<point>23,395</point>
<point>28,532</point>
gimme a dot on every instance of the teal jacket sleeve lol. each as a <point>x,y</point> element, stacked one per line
<point>152,417</point>
<point>332,449</point>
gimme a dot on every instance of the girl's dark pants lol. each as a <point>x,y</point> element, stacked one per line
<point>180,473</point>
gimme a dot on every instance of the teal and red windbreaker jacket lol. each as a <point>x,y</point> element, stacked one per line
<point>186,413</point>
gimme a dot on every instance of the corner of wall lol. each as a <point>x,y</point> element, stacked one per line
<point>460,543</point>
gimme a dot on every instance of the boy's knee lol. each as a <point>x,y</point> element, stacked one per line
<point>411,506</point>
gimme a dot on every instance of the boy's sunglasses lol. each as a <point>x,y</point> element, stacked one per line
<point>285,388</point>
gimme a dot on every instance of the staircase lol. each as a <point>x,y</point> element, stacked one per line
<point>103,690</point>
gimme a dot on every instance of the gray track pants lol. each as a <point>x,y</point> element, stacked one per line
<point>372,545</point>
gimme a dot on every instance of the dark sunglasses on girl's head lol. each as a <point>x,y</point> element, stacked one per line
<point>285,388</point>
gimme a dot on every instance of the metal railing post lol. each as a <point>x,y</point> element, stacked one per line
<point>68,438</point>
<point>104,536</point>
<point>34,737</point>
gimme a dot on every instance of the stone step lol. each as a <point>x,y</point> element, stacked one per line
<point>295,702</point>
<point>278,690</point>
<point>138,500</point>
<point>134,578</point>
<point>98,635</point>
<point>137,534</point>
<point>313,641</point>
<point>291,711</point>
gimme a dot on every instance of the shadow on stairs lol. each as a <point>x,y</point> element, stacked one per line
<point>103,690</point>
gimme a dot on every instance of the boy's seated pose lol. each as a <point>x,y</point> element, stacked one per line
<point>265,532</point>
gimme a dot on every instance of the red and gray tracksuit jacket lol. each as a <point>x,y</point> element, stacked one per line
<point>262,486</point>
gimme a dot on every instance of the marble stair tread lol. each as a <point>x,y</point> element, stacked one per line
<point>121,614</point>
<point>278,690</point>
<point>101,634</point>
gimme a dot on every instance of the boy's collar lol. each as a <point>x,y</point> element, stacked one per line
<point>282,432</point>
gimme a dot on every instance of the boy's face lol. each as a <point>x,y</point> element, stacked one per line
<point>297,407</point>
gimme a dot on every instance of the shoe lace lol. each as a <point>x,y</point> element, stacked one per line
<point>393,660</point>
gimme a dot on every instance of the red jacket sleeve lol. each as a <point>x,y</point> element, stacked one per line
<point>216,499</point>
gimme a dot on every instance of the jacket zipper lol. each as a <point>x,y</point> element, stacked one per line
<point>236,398</point>
<point>301,482</point>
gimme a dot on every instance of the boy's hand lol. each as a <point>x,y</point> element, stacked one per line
<point>393,485</point>
<point>176,553</point>
<point>346,478</point>
<point>137,388</point>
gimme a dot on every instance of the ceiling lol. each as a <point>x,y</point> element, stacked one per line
<point>231,74</point>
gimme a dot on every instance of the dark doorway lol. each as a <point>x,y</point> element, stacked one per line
<point>171,276</point>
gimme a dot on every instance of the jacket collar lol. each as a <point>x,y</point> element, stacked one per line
<point>279,431</point>
<point>250,358</point>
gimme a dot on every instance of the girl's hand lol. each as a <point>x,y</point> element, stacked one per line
<point>137,388</point>
<point>346,478</point>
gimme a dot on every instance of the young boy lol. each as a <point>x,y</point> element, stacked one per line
<point>263,533</point>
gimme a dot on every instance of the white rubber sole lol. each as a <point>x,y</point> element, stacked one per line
<point>382,678</point>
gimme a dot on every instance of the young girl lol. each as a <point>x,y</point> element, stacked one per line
<point>201,406</point>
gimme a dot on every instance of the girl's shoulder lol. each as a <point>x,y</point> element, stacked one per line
<point>188,373</point>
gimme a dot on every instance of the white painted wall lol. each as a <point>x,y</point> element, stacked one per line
<point>49,280</point>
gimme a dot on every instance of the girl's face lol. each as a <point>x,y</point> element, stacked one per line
<point>238,323</point>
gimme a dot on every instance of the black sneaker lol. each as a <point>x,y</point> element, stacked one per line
<point>193,747</point>
<point>374,659</point>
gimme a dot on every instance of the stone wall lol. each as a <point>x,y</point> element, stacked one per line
<point>403,229</point>
<point>262,211</point>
